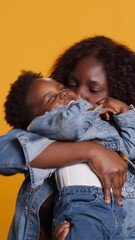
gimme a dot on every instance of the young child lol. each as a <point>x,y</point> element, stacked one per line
<point>61,116</point>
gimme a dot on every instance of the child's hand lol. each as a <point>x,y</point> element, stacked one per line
<point>105,113</point>
<point>114,106</point>
<point>61,231</point>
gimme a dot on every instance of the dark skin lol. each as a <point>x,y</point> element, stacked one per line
<point>89,81</point>
<point>47,94</point>
<point>86,153</point>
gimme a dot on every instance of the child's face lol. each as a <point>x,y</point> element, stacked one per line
<point>88,79</point>
<point>45,94</point>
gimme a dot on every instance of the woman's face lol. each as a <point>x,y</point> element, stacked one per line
<point>88,79</point>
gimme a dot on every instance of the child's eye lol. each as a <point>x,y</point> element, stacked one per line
<point>62,89</point>
<point>51,99</point>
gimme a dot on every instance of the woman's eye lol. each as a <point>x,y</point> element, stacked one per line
<point>72,86</point>
<point>94,90</point>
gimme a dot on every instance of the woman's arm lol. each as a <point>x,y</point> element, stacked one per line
<point>107,164</point>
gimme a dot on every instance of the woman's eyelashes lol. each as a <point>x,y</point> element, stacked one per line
<point>72,86</point>
<point>72,83</point>
<point>93,90</point>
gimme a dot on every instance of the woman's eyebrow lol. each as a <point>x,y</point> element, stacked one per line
<point>94,82</point>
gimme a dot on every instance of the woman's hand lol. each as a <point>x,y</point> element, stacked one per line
<point>108,165</point>
<point>111,169</point>
<point>60,231</point>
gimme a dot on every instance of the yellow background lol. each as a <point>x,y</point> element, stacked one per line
<point>33,33</point>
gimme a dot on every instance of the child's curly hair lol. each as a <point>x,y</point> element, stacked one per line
<point>17,112</point>
<point>118,60</point>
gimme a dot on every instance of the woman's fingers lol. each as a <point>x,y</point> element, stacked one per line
<point>112,171</point>
<point>117,188</point>
<point>107,192</point>
<point>114,184</point>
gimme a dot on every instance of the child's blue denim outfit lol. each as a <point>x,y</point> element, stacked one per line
<point>84,206</point>
<point>90,217</point>
<point>37,186</point>
<point>76,122</point>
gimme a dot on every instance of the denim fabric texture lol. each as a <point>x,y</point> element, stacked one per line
<point>25,224</point>
<point>36,187</point>
<point>74,122</point>
<point>90,217</point>
<point>128,194</point>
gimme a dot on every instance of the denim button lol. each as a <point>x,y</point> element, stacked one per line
<point>130,189</point>
<point>129,227</point>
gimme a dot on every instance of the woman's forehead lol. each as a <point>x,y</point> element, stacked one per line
<point>88,61</point>
<point>89,70</point>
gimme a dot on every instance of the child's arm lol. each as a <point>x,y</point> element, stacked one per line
<point>126,124</point>
<point>124,119</point>
<point>66,122</point>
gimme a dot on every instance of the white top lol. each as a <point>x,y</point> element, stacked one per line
<point>78,174</point>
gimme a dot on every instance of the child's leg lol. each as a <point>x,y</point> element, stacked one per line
<point>90,217</point>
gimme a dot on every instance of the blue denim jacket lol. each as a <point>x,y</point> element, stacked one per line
<point>37,186</point>
<point>75,122</point>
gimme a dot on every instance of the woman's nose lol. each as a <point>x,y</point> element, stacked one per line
<point>81,93</point>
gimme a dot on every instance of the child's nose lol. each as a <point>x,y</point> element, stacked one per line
<point>63,94</point>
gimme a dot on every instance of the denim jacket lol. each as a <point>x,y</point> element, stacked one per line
<point>37,185</point>
<point>76,122</point>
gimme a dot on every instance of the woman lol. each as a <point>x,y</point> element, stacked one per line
<point>95,68</point>
<point>108,165</point>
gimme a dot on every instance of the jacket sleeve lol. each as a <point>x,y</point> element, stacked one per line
<point>17,149</point>
<point>11,154</point>
<point>65,123</point>
<point>126,126</point>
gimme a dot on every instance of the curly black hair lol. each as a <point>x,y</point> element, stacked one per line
<point>118,60</point>
<point>17,112</point>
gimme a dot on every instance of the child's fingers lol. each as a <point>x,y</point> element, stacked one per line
<point>107,116</point>
<point>63,234</point>
<point>108,110</point>
<point>61,230</point>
